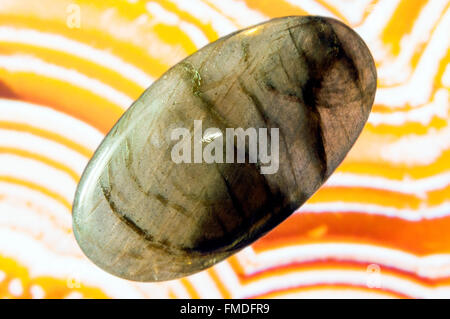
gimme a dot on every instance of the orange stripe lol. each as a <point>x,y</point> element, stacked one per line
<point>208,30</point>
<point>64,97</point>
<point>343,265</point>
<point>282,8</point>
<point>48,135</point>
<point>408,128</point>
<point>99,39</point>
<point>236,265</point>
<point>374,196</point>
<point>395,171</point>
<point>53,287</point>
<point>39,188</point>
<point>366,196</point>
<point>44,159</point>
<point>65,59</point>
<point>443,64</point>
<point>419,50</point>
<point>333,10</point>
<point>372,165</point>
<point>419,238</point>
<point>229,17</point>
<point>190,288</point>
<point>438,196</point>
<point>220,286</point>
<point>173,35</point>
<point>401,23</point>
<point>172,295</point>
<point>282,292</point>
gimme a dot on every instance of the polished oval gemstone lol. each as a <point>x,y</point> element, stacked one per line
<point>223,147</point>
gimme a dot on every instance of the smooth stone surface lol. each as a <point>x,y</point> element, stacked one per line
<point>140,216</point>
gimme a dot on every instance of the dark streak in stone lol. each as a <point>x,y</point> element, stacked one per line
<point>123,217</point>
<point>344,56</point>
<point>196,82</point>
<point>151,242</point>
<point>236,203</point>
<point>94,207</point>
<point>256,102</point>
<point>245,48</point>
<point>298,94</point>
<point>310,90</point>
<point>284,68</point>
<point>208,105</point>
<point>163,200</point>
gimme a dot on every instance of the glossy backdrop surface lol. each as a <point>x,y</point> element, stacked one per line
<point>378,227</point>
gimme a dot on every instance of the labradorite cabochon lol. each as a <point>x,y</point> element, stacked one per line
<point>141,216</point>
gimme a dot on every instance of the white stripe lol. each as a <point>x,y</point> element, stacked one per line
<point>417,149</point>
<point>376,21</point>
<point>228,278</point>
<point>51,208</point>
<point>23,63</point>
<point>418,89</point>
<point>431,266</point>
<point>49,119</point>
<point>350,277</point>
<point>40,261</point>
<point>422,213</point>
<point>335,293</point>
<point>61,43</point>
<point>398,70</point>
<point>204,286</point>
<point>439,107</point>
<point>44,147</point>
<point>16,215</point>
<point>195,34</point>
<point>352,10</point>
<point>38,173</point>
<point>178,289</point>
<point>164,16</point>
<point>239,11</point>
<point>418,187</point>
<point>206,14</point>
<point>312,7</point>
<point>161,14</point>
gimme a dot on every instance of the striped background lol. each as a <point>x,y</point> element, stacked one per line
<point>380,227</point>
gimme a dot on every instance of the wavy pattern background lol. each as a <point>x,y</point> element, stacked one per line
<point>380,227</point>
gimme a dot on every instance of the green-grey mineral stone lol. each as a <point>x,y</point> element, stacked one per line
<point>140,215</point>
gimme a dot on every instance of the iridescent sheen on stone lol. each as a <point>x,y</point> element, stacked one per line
<point>139,215</point>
